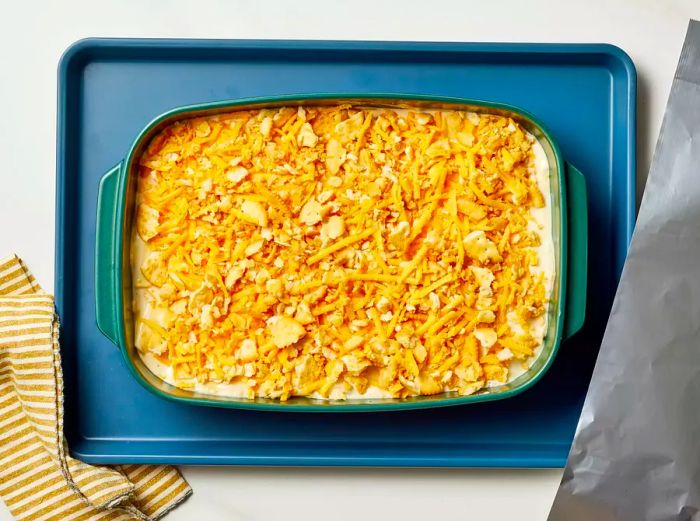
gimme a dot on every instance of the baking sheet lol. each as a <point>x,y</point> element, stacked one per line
<point>110,89</point>
<point>636,454</point>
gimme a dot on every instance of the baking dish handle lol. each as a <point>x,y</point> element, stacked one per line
<point>105,268</point>
<point>577,271</point>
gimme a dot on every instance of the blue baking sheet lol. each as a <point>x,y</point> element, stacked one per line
<point>109,89</point>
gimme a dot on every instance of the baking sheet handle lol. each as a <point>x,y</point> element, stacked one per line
<point>577,270</point>
<point>105,268</point>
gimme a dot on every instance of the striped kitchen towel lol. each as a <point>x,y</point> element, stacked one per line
<point>38,479</point>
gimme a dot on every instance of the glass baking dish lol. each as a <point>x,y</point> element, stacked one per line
<point>115,211</point>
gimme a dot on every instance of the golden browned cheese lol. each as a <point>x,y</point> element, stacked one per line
<point>325,251</point>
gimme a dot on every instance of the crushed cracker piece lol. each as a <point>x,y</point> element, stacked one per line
<point>285,331</point>
<point>311,213</point>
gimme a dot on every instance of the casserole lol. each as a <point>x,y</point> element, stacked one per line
<point>115,221</point>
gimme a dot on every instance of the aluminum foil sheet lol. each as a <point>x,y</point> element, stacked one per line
<point>636,452</point>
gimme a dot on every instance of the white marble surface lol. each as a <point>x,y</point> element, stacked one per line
<point>33,36</point>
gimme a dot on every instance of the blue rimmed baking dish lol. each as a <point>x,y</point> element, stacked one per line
<point>113,271</point>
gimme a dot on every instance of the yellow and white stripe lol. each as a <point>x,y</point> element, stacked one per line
<point>38,479</point>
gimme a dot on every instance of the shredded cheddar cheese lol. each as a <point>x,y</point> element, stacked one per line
<point>331,251</point>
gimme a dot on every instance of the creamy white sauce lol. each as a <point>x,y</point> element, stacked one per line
<point>541,222</point>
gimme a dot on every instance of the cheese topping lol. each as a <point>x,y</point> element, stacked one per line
<point>342,252</point>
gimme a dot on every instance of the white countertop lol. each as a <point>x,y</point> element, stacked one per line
<point>36,33</point>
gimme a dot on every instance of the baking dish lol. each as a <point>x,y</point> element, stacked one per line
<point>115,213</point>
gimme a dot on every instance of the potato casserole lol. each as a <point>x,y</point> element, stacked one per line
<point>339,252</point>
